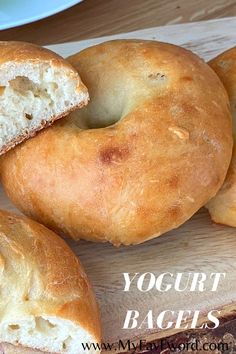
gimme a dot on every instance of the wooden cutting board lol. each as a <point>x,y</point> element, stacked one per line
<point>197,246</point>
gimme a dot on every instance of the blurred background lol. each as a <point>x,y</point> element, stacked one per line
<point>95,18</point>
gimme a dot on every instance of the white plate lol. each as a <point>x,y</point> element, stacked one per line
<point>18,12</point>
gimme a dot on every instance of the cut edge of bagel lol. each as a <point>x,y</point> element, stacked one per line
<point>48,333</point>
<point>37,87</point>
<point>7,348</point>
<point>47,303</point>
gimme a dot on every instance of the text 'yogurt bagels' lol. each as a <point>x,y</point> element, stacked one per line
<point>151,148</point>
<point>46,302</point>
<point>223,207</point>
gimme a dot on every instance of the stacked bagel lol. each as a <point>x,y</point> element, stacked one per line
<point>152,146</point>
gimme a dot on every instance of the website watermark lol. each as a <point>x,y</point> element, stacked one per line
<point>164,346</point>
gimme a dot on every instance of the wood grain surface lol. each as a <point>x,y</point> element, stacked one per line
<point>94,18</point>
<point>198,246</point>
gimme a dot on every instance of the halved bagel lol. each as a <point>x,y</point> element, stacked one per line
<point>37,87</point>
<point>47,303</point>
<point>152,147</point>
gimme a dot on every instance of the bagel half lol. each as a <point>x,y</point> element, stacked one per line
<point>222,207</point>
<point>151,148</point>
<point>46,302</point>
<point>37,87</point>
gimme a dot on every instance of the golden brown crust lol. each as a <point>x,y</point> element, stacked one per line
<point>47,275</point>
<point>147,173</point>
<point>15,52</point>
<point>223,207</point>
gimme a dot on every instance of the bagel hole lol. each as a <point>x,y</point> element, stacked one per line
<point>104,110</point>
<point>86,121</point>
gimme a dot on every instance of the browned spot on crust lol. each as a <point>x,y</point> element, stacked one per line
<point>145,214</point>
<point>113,154</point>
<point>187,78</point>
<point>173,181</point>
<point>188,108</point>
<point>142,211</point>
<point>174,212</point>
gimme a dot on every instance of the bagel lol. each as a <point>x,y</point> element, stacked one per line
<point>46,300</point>
<point>37,87</point>
<point>152,147</point>
<point>222,207</point>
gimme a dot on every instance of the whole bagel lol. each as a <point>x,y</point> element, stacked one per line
<point>223,206</point>
<point>151,148</point>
